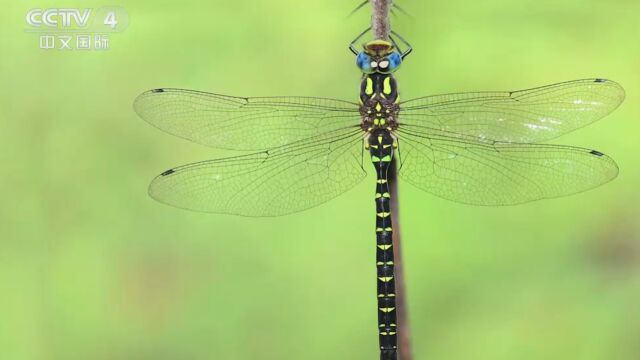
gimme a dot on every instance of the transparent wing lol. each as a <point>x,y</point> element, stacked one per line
<point>524,116</point>
<point>490,173</point>
<point>279,181</point>
<point>240,123</point>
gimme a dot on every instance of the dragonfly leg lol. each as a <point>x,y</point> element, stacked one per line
<point>409,48</point>
<point>365,2</point>
<point>395,44</point>
<point>352,46</point>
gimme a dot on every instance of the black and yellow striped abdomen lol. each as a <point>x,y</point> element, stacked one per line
<point>381,147</point>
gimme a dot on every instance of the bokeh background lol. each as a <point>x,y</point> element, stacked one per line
<point>92,268</point>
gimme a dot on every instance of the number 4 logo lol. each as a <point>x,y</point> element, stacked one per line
<point>110,19</point>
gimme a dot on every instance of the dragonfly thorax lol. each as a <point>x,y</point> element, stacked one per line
<point>379,96</point>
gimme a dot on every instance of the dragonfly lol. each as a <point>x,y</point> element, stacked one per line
<point>480,148</point>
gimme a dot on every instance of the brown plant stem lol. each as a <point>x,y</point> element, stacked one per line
<point>380,19</point>
<point>404,331</point>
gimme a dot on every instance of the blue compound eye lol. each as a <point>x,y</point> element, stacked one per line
<point>390,63</point>
<point>394,60</point>
<point>364,63</point>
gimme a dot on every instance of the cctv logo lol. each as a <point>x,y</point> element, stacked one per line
<point>58,17</point>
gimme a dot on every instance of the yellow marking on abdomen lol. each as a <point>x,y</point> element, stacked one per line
<point>387,295</point>
<point>384,195</point>
<point>388,263</point>
<point>384,247</point>
<point>387,310</point>
<point>386,158</point>
<point>380,263</point>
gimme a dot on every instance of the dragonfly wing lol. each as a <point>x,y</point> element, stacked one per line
<point>523,116</point>
<point>491,173</point>
<point>279,181</point>
<point>240,123</point>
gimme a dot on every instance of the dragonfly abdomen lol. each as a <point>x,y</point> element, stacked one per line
<point>381,146</point>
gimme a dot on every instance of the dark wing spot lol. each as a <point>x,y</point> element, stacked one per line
<point>596,153</point>
<point>600,80</point>
<point>157,90</point>
<point>168,172</point>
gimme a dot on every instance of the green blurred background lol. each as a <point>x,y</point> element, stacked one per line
<point>92,268</point>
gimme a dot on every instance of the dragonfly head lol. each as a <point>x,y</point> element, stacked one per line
<point>378,56</point>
